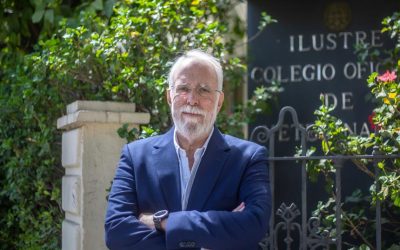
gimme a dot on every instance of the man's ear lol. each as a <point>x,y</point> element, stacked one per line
<point>168,93</point>
<point>220,100</point>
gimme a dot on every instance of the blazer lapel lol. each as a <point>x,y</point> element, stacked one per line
<point>210,168</point>
<point>167,168</point>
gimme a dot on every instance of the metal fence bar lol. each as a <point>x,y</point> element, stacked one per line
<point>338,191</point>
<point>334,157</point>
<point>303,178</point>
<point>304,205</point>
<point>378,222</point>
<point>272,179</point>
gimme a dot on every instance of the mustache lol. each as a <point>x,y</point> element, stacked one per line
<point>192,110</point>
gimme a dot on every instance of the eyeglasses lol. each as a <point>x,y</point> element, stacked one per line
<point>201,90</point>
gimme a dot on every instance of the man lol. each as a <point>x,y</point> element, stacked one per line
<point>192,187</point>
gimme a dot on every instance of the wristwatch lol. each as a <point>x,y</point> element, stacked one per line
<point>158,217</point>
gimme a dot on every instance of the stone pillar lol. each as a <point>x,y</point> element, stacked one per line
<point>90,151</point>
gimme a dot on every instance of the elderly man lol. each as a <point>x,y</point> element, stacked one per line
<point>192,187</point>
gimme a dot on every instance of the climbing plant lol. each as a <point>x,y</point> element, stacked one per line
<point>336,140</point>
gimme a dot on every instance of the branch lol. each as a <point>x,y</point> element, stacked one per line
<point>363,168</point>
<point>354,228</point>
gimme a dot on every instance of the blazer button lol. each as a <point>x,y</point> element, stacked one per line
<point>187,244</point>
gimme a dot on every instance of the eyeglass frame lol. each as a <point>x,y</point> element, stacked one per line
<point>197,90</point>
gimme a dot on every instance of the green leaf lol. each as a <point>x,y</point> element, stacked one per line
<point>397,201</point>
<point>38,15</point>
<point>325,146</point>
<point>108,7</point>
<point>115,89</point>
<point>97,5</point>
<point>49,16</point>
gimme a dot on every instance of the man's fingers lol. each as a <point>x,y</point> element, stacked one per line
<point>147,219</point>
<point>239,208</point>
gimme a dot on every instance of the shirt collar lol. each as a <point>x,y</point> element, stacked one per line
<point>177,147</point>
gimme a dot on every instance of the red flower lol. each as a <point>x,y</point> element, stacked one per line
<point>388,76</point>
<point>371,122</point>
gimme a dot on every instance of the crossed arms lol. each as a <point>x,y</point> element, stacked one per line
<point>128,228</point>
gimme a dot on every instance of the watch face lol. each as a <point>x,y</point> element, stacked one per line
<point>158,217</point>
<point>161,214</point>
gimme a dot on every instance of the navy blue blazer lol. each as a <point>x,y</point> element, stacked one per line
<point>147,180</point>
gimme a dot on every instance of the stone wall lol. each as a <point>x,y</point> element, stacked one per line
<point>90,151</point>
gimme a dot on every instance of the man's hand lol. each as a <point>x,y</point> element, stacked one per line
<point>239,208</point>
<point>147,219</point>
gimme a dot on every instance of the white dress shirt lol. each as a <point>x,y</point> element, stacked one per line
<point>187,176</point>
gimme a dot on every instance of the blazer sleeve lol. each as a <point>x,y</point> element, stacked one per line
<point>226,229</point>
<point>123,230</point>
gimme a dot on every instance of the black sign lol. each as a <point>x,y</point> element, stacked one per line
<point>311,51</point>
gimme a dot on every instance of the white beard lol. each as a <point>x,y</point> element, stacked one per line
<point>192,128</point>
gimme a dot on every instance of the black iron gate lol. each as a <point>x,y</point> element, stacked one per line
<point>307,230</point>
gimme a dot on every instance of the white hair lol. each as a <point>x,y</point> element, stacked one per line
<point>199,56</point>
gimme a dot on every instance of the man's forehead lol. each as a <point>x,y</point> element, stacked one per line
<point>193,63</point>
<point>195,68</point>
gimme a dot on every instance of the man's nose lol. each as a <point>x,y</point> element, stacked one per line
<point>192,97</point>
